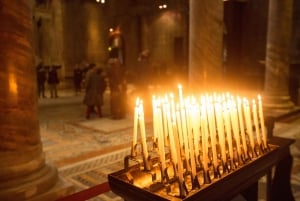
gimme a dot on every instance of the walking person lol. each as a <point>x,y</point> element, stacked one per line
<point>95,88</point>
<point>53,81</point>
<point>77,78</point>
<point>41,80</point>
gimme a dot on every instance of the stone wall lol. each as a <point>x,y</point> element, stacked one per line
<point>77,32</point>
<point>73,31</point>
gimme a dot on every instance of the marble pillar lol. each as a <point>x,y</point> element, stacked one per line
<point>295,56</point>
<point>276,90</point>
<point>206,44</point>
<point>58,36</point>
<point>24,175</point>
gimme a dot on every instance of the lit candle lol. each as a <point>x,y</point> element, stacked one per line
<point>248,122</point>
<point>178,122</point>
<point>228,129</point>
<point>154,118</point>
<point>180,94</point>
<point>235,125</point>
<point>174,151</point>
<point>241,121</point>
<point>195,119</point>
<point>179,162</point>
<point>161,144</point>
<point>143,130</point>
<point>165,121</point>
<point>212,132</point>
<point>262,123</point>
<point>191,140</point>
<point>230,105</point>
<point>204,132</point>
<point>135,127</point>
<point>220,126</point>
<point>255,118</point>
<point>184,133</point>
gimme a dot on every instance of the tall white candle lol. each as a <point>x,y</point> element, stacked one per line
<point>248,122</point>
<point>154,118</point>
<point>161,144</point>
<point>228,129</point>
<point>212,133</point>
<point>255,118</point>
<point>180,94</point>
<point>191,140</point>
<point>165,121</point>
<point>234,117</point>
<point>135,126</point>
<point>195,119</point>
<point>204,132</point>
<point>235,125</point>
<point>262,123</point>
<point>174,151</point>
<point>180,170</point>
<point>241,122</point>
<point>179,127</point>
<point>220,126</point>
<point>184,133</point>
<point>143,130</point>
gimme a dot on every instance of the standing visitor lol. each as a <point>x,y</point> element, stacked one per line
<point>77,78</point>
<point>94,91</point>
<point>53,81</point>
<point>41,79</point>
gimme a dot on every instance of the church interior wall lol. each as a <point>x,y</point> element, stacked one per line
<point>80,34</point>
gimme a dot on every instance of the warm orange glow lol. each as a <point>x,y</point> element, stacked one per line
<point>13,87</point>
<point>191,128</point>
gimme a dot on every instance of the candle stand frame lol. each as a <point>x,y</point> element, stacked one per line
<point>243,180</point>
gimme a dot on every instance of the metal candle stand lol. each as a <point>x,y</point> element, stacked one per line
<point>225,159</point>
<point>227,185</point>
<point>149,177</point>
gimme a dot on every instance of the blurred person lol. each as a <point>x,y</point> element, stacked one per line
<point>94,91</point>
<point>77,78</point>
<point>53,81</point>
<point>41,79</point>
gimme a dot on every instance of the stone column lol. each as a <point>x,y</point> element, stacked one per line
<point>205,43</point>
<point>58,37</point>
<point>24,175</point>
<point>276,94</point>
<point>295,56</point>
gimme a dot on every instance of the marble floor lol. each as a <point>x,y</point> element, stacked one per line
<point>86,151</point>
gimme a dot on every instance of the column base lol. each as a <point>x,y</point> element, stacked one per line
<point>43,185</point>
<point>274,104</point>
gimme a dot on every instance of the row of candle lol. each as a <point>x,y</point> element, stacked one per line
<point>191,128</point>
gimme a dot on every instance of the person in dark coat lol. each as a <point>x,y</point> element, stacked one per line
<point>95,88</point>
<point>77,78</point>
<point>41,80</point>
<point>53,81</point>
